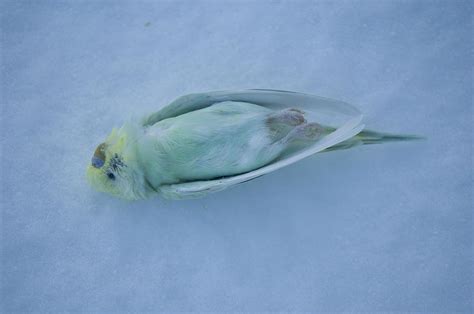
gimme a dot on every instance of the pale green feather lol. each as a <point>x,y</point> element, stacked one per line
<point>369,137</point>
<point>207,143</point>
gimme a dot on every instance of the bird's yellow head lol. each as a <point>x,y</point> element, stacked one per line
<point>115,169</point>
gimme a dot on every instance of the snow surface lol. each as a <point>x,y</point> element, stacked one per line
<point>379,228</point>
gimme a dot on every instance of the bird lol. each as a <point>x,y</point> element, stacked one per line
<point>206,142</point>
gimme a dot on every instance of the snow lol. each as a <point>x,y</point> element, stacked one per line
<point>378,228</point>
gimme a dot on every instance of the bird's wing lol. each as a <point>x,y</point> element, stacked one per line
<point>345,118</point>
<point>182,105</point>
<point>273,99</point>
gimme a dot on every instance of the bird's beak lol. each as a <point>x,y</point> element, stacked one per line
<point>98,159</point>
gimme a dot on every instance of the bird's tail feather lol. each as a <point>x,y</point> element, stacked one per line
<point>367,137</point>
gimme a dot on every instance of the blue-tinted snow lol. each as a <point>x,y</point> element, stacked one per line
<point>380,228</point>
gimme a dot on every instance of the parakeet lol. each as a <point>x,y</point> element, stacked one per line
<point>203,143</point>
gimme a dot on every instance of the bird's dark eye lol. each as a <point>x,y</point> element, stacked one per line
<point>111,176</point>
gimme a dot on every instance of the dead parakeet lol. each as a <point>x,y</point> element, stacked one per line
<point>203,143</point>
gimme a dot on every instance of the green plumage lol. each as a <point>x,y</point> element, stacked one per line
<point>208,143</point>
